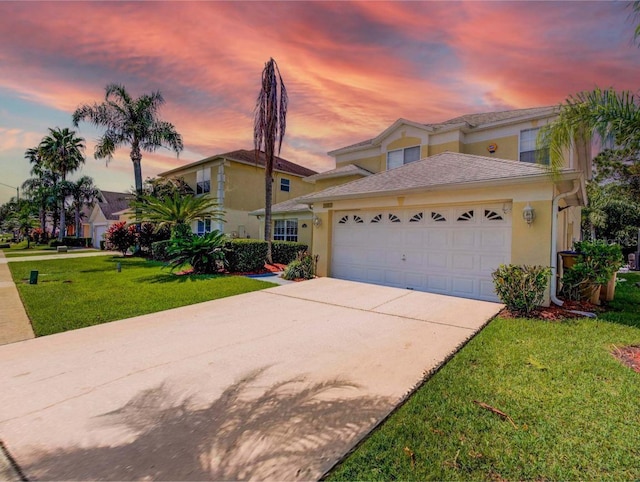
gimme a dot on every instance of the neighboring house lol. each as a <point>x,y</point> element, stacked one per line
<point>237,182</point>
<point>445,206</point>
<point>107,210</point>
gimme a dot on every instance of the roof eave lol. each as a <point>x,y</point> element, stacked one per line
<point>441,187</point>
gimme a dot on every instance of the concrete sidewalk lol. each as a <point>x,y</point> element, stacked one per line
<point>14,322</point>
<point>272,385</point>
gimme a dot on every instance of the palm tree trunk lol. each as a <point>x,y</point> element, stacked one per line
<point>268,189</point>
<point>63,221</point>
<point>77,213</point>
<point>136,158</point>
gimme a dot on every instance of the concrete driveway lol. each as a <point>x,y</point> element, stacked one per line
<point>271,385</point>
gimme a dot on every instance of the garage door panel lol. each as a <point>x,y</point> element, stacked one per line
<point>446,250</point>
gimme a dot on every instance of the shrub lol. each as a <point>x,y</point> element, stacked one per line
<point>76,242</point>
<point>159,250</point>
<point>521,287</point>
<point>120,237</point>
<point>205,253</point>
<point>245,255</point>
<point>596,263</point>
<point>146,237</point>
<point>283,252</point>
<point>303,267</point>
<point>54,243</point>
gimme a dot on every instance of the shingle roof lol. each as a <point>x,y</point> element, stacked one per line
<point>290,206</point>
<point>474,120</point>
<point>279,164</point>
<point>348,170</point>
<point>113,202</point>
<point>444,169</point>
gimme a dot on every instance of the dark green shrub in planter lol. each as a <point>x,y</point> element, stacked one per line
<point>520,287</point>
<point>283,252</point>
<point>246,255</point>
<point>596,263</point>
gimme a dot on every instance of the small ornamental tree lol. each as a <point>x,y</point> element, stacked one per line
<point>120,237</point>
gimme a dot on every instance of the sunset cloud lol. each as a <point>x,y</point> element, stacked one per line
<point>351,68</point>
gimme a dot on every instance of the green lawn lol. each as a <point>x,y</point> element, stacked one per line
<point>576,408</point>
<point>22,247</point>
<point>50,252</point>
<point>78,292</point>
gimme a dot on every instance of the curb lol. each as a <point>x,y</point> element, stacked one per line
<point>9,469</point>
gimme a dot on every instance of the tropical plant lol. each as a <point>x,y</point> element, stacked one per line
<point>177,211</point>
<point>521,287</point>
<point>41,188</point>
<point>161,187</point>
<point>120,237</point>
<point>205,254</point>
<point>270,123</point>
<point>62,152</point>
<point>83,192</point>
<point>303,267</point>
<point>130,122</point>
<point>24,220</point>
<point>596,263</point>
<point>613,117</point>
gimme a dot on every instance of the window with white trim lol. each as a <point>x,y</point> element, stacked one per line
<point>285,185</point>
<point>285,230</point>
<point>400,157</point>
<point>204,226</point>
<point>528,150</point>
<point>203,181</point>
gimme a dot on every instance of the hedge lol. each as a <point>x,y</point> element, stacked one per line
<point>71,242</point>
<point>159,250</point>
<point>246,254</point>
<point>283,252</point>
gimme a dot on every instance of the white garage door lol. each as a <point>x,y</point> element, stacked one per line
<point>449,250</point>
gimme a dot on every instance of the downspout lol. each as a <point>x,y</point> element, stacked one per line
<point>554,235</point>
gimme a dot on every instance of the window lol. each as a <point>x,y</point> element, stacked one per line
<point>528,151</point>
<point>203,181</point>
<point>402,156</point>
<point>204,226</point>
<point>285,230</point>
<point>285,185</point>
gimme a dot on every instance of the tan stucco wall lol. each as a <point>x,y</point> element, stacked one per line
<point>531,244</point>
<point>453,146</point>
<point>373,164</point>
<point>404,142</point>
<point>305,226</point>
<point>507,148</point>
<point>322,237</point>
<point>239,221</point>
<point>325,183</point>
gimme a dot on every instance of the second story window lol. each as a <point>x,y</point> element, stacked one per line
<point>203,181</point>
<point>285,185</point>
<point>402,156</point>
<point>528,151</point>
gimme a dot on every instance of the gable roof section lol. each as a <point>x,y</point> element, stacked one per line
<point>440,170</point>
<point>249,157</point>
<point>471,121</point>
<point>344,171</point>
<point>291,206</point>
<point>113,202</point>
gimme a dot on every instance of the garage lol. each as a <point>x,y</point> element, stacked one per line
<point>441,249</point>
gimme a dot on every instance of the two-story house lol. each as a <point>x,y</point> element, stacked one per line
<point>437,207</point>
<point>236,181</point>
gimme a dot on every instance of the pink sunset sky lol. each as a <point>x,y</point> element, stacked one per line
<point>351,68</point>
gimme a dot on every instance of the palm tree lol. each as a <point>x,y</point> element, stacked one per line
<point>129,122</point>
<point>612,116</point>
<point>83,192</point>
<point>62,152</point>
<point>270,123</point>
<point>177,211</point>
<point>40,188</point>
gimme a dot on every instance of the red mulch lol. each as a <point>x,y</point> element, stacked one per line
<point>557,313</point>
<point>268,268</point>
<point>629,356</point>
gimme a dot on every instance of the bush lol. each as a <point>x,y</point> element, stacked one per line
<point>283,252</point>
<point>120,237</point>
<point>521,288</point>
<point>159,250</point>
<point>205,254</point>
<point>595,265</point>
<point>244,255</point>
<point>303,267</point>
<point>54,243</point>
<point>76,242</point>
